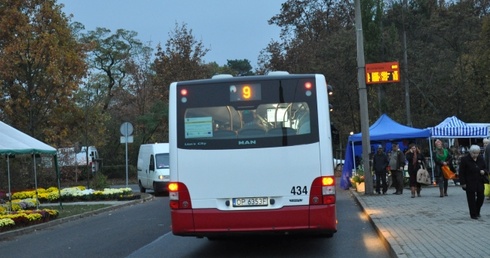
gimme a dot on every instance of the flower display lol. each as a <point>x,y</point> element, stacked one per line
<point>21,211</point>
<point>28,203</point>
<point>27,199</point>
<point>26,217</point>
<point>76,191</point>
<point>50,194</point>
<point>6,222</point>
<point>357,179</point>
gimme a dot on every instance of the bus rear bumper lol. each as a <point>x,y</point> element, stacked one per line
<point>310,220</point>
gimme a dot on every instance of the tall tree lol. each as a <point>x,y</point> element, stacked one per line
<point>476,90</point>
<point>182,59</point>
<point>438,36</point>
<point>109,55</point>
<point>240,67</point>
<point>143,101</point>
<point>443,56</point>
<point>318,36</point>
<point>41,65</point>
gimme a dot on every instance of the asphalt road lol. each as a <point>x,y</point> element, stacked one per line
<point>114,233</point>
<point>143,230</point>
<point>355,238</point>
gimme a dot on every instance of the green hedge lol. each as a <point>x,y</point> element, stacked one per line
<point>118,171</point>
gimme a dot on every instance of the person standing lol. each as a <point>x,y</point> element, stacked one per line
<point>415,162</point>
<point>486,149</point>
<point>486,154</point>
<point>441,157</point>
<point>380,163</point>
<point>397,162</point>
<point>472,169</point>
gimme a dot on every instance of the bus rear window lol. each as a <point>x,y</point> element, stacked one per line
<point>218,116</point>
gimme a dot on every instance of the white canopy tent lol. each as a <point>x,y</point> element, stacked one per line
<point>453,128</point>
<point>15,142</point>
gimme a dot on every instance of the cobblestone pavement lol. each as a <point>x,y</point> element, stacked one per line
<point>428,226</point>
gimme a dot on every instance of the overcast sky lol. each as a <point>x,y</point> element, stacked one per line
<point>231,29</point>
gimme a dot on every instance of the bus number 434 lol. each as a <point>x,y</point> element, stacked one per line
<point>299,190</point>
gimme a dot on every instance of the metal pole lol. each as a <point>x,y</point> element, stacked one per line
<point>35,181</point>
<point>86,144</point>
<point>8,179</point>
<point>127,129</point>
<point>405,67</point>
<point>366,146</point>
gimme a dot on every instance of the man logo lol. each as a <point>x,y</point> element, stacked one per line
<point>247,142</point>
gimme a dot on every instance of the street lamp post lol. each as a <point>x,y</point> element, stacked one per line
<point>363,101</point>
<point>86,142</point>
<point>405,66</point>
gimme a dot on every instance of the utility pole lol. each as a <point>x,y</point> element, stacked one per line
<point>361,77</point>
<point>405,66</point>
<point>86,142</point>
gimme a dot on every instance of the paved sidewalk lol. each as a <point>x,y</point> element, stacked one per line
<point>428,226</point>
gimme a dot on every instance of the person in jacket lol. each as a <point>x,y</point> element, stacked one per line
<point>472,169</point>
<point>486,153</point>
<point>396,163</point>
<point>441,157</point>
<point>380,163</point>
<point>415,162</point>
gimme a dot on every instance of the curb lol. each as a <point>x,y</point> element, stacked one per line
<point>385,241</point>
<point>118,204</point>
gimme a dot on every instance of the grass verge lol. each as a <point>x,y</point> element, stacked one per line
<point>70,210</point>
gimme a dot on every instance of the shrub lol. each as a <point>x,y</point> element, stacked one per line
<point>118,171</point>
<point>100,181</point>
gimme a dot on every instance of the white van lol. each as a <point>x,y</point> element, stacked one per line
<point>153,167</point>
<point>69,157</point>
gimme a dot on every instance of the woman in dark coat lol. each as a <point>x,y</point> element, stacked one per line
<point>472,169</point>
<point>415,160</point>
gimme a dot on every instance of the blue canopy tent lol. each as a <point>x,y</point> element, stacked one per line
<point>383,130</point>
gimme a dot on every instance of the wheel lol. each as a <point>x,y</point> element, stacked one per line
<point>156,190</point>
<point>142,189</point>
<point>325,235</point>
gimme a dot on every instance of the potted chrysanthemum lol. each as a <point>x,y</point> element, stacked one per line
<point>357,180</point>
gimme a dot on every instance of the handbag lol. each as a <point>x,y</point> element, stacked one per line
<point>448,174</point>
<point>485,179</point>
<point>486,192</point>
<point>423,176</point>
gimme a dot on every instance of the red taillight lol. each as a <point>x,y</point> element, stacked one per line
<point>308,85</point>
<point>183,92</point>
<point>323,191</point>
<point>179,196</point>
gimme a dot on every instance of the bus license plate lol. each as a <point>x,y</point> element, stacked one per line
<point>250,202</point>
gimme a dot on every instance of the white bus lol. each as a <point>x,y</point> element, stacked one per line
<point>230,176</point>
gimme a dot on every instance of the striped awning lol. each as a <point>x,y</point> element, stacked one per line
<point>452,127</point>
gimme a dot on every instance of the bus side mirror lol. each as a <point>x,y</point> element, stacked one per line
<point>152,166</point>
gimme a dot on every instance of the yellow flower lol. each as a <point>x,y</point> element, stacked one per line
<point>6,222</point>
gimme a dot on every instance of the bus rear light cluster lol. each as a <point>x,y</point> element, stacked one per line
<point>323,191</point>
<point>308,85</point>
<point>179,196</point>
